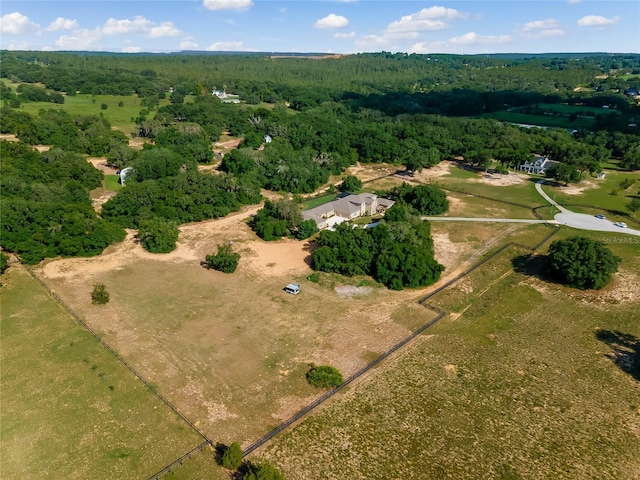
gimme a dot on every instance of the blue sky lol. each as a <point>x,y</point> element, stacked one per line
<point>346,26</point>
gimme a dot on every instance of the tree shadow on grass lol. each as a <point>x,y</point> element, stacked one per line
<point>625,350</point>
<point>534,266</point>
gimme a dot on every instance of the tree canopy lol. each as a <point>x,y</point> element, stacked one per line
<point>582,263</point>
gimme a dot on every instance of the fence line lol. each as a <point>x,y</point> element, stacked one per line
<point>324,397</point>
<point>179,461</point>
<point>440,314</point>
<point>84,324</point>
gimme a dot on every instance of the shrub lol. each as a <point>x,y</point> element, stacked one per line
<point>4,262</point>
<point>324,376</point>
<point>103,106</point>
<point>226,260</point>
<point>264,471</point>
<point>99,294</point>
<point>232,456</point>
<point>581,262</point>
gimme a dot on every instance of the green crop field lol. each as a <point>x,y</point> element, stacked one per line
<point>518,383</point>
<point>69,408</point>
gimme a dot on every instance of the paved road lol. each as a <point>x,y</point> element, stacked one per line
<point>583,221</point>
<point>566,217</point>
<point>499,220</point>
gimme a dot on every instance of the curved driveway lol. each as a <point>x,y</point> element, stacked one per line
<point>583,221</point>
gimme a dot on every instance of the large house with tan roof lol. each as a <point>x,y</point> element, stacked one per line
<point>345,208</point>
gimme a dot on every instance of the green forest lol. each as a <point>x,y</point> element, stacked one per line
<point>300,122</point>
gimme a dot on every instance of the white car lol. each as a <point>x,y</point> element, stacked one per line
<point>620,224</point>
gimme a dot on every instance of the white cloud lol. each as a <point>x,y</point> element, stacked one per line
<point>82,39</point>
<point>47,48</point>
<point>227,4</point>
<point>18,46</point>
<point>458,44</point>
<point>62,23</point>
<point>597,21</point>
<point>188,45</point>
<point>131,49</point>
<point>140,26</point>
<point>573,2</point>
<point>541,24</point>
<point>165,29</point>
<point>17,23</point>
<point>344,36</point>
<point>473,37</point>
<point>331,21</point>
<point>552,32</point>
<point>432,18</point>
<point>229,46</point>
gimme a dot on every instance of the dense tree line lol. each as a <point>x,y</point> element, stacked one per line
<point>187,197</point>
<point>306,83</point>
<point>46,210</point>
<point>82,134</point>
<point>398,254</point>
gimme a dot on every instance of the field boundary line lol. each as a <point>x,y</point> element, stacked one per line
<point>423,302</point>
<point>179,461</point>
<point>86,326</point>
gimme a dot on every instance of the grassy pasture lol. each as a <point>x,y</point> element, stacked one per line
<point>69,408</point>
<point>517,386</point>
<point>599,192</point>
<point>576,109</point>
<point>86,105</point>
<point>541,120</point>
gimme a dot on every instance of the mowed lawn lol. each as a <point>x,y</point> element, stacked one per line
<point>69,408</point>
<point>516,384</point>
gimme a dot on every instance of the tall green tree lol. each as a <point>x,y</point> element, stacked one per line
<point>582,263</point>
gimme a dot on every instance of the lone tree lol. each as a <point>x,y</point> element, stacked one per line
<point>232,456</point>
<point>582,263</point>
<point>634,206</point>
<point>324,376</point>
<point>226,260</point>
<point>99,294</point>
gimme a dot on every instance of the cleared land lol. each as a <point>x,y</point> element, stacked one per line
<point>231,351</point>
<point>513,384</point>
<point>69,408</point>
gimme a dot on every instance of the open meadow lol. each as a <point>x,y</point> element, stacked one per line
<point>507,385</point>
<point>69,408</point>
<point>519,380</point>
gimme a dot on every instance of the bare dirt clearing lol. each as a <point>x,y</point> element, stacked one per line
<point>101,164</point>
<point>230,350</point>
